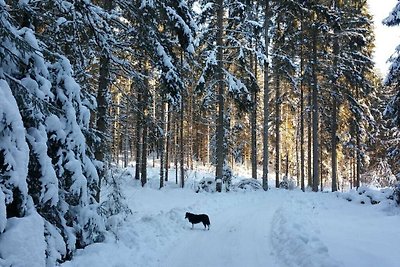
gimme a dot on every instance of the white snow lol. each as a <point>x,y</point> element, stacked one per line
<point>23,243</point>
<point>13,148</point>
<point>248,228</point>
<point>3,212</point>
<point>145,3</point>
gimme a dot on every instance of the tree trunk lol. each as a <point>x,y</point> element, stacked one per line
<point>358,156</point>
<point>139,128</point>
<point>334,144</point>
<point>321,169</point>
<point>277,129</point>
<point>190,131</point>
<point>309,139</point>
<point>145,102</point>
<point>162,143</point>
<point>144,153</point>
<point>220,121</point>
<point>253,123</point>
<point>266,99</point>
<point>102,111</point>
<point>302,156</point>
<point>126,141</point>
<point>358,145</point>
<point>297,137</point>
<point>181,148</point>
<point>102,118</point>
<point>168,132</point>
<point>208,145</point>
<point>176,126</point>
<point>287,165</point>
<point>315,116</point>
<point>334,109</point>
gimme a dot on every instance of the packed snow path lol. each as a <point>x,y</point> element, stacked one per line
<point>238,236</point>
<point>260,230</point>
<point>278,228</point>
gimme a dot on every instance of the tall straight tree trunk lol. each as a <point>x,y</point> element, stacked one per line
<point>162,142</point>
<point>220,121</point>
<point>208,145</point>
<point>334,145</point>
<point>358,145</point>
<point>309,138</point>
<point>168,141</point>
<point>321,169</point>
<point>358,164</point>
<point>253,123</point>
<point>102,110</point>
<point>357,158</point>
<point>334,107</point>
<point>126,139</point>
<point>143,168</point>
<point>266,99</point>
<point>155,145</point>
<point>138,141</point>
<point>315,116</point>
<point>353,170</point>
<point>190,130</point>
<point>102,118</point>
<point>181,148</point>
<point>302,156</point>
<point>126,109</point>
<point>176,140</point>
<point>297,137</point>
<point>145,102</point>
<point>277,129</point>
<point>354,174</point>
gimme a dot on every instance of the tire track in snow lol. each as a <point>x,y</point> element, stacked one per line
<point>295,237</point>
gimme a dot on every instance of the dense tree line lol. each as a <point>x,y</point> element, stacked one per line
<point>390,134</point>
<point>284,86</point>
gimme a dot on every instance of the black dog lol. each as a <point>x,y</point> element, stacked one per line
<point>198,218</point>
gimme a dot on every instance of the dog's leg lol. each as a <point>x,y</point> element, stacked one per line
<point>192,225</point>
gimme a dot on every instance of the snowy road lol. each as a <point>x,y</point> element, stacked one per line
<point>278,228</point>
<point>237,236</point>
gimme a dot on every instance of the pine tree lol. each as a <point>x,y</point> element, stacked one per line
<point>226,70</point>
<point>392,110</point>
<point>61,177</point>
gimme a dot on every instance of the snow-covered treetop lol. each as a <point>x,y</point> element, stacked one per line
<point>394,16</point>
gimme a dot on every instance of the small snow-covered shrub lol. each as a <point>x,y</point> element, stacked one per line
<point>286,183</point>
<point>367,195</point>
<point>114,207</point>
<point>227,177</point>
<point>375,195</point>
<point>56,247</point>
<point>206,184</point>
<point>248,185</point>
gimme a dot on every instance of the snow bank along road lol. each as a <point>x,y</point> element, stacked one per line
<point>274,228</point>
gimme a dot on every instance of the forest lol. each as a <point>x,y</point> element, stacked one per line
<point>279,87</point>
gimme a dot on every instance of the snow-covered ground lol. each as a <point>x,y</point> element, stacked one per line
<point>248,228</point>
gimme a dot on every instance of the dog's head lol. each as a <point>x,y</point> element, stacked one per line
<point>187,215</point>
